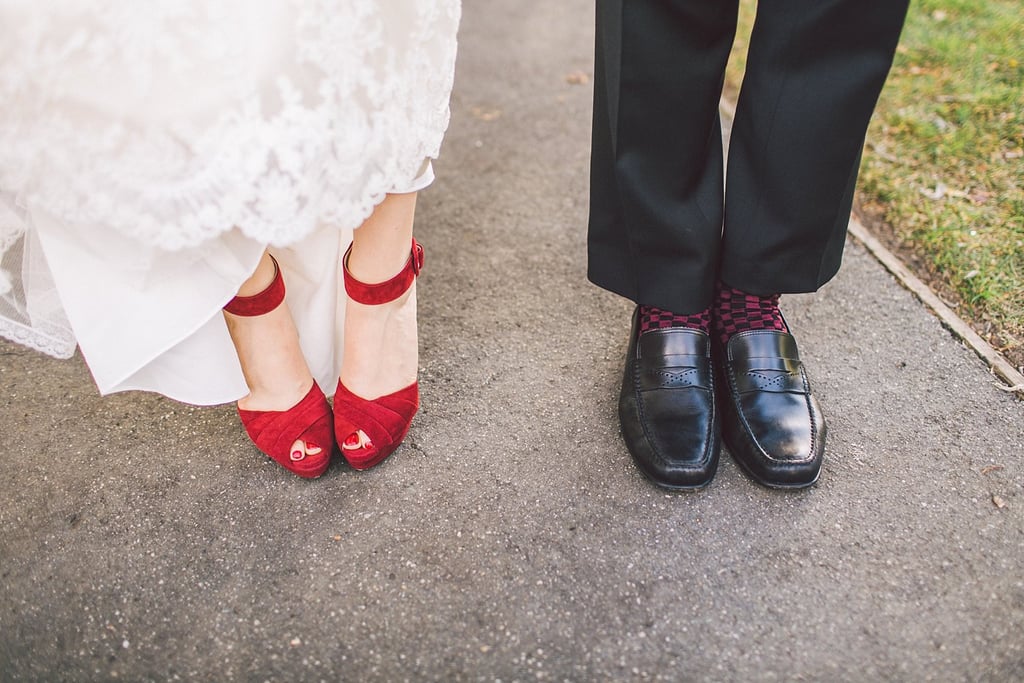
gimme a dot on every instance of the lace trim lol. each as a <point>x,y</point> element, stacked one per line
<point>172,122</point>
<point>59,344</point>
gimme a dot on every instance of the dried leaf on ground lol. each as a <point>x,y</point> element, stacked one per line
<point>485,114</point>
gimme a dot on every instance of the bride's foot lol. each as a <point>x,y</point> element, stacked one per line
<point>377,392</point>
<point>285,413</point>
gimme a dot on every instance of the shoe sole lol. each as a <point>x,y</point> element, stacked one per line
<point>675,488</point>
<point>772,484</point>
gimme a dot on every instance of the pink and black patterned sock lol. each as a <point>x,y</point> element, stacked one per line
<point>652,318</point>
<point>736,311</point>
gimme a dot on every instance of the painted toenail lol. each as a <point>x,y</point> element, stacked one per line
<point>355,441</point>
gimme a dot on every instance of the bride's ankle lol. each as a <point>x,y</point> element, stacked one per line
<point>266,341</point>
<point>381,346</point>
<point>373,266</point>
<point>279,394</point>
<point>378,272</point>
<point>265,274</point>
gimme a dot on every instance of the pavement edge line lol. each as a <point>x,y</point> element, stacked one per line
<point>961,329</point>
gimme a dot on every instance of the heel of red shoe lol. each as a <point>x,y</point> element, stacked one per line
<point>310,420</point>
<point>368,431</point>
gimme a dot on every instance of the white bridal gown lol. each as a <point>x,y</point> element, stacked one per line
<point>151,149</point>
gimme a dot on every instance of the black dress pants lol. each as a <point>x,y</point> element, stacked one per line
<point>663,224</point>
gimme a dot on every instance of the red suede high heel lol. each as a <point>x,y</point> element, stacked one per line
<point>369,431</point>
<point>309,420</point>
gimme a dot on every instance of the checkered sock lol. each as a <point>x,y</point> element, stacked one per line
<point>652,318</point>
<point>736,311</point>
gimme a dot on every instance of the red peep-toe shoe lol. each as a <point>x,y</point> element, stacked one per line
<point>309,420</point>
<point>369,431</point>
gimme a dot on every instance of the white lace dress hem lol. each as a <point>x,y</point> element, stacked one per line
<point>149,152</point>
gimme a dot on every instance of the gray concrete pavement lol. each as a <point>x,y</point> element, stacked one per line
<point>510,538</point>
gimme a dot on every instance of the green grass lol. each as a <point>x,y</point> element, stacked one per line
<point>943,168</point>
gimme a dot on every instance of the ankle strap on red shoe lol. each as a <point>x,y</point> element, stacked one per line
<point>264,302</point>
<point>383,292</point>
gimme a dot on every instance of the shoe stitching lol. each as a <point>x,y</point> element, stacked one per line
<point>676,376</point>
<point>768,381</point>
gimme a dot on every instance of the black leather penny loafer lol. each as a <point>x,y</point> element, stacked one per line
<point>771,423</point>
<point>667,407</point>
